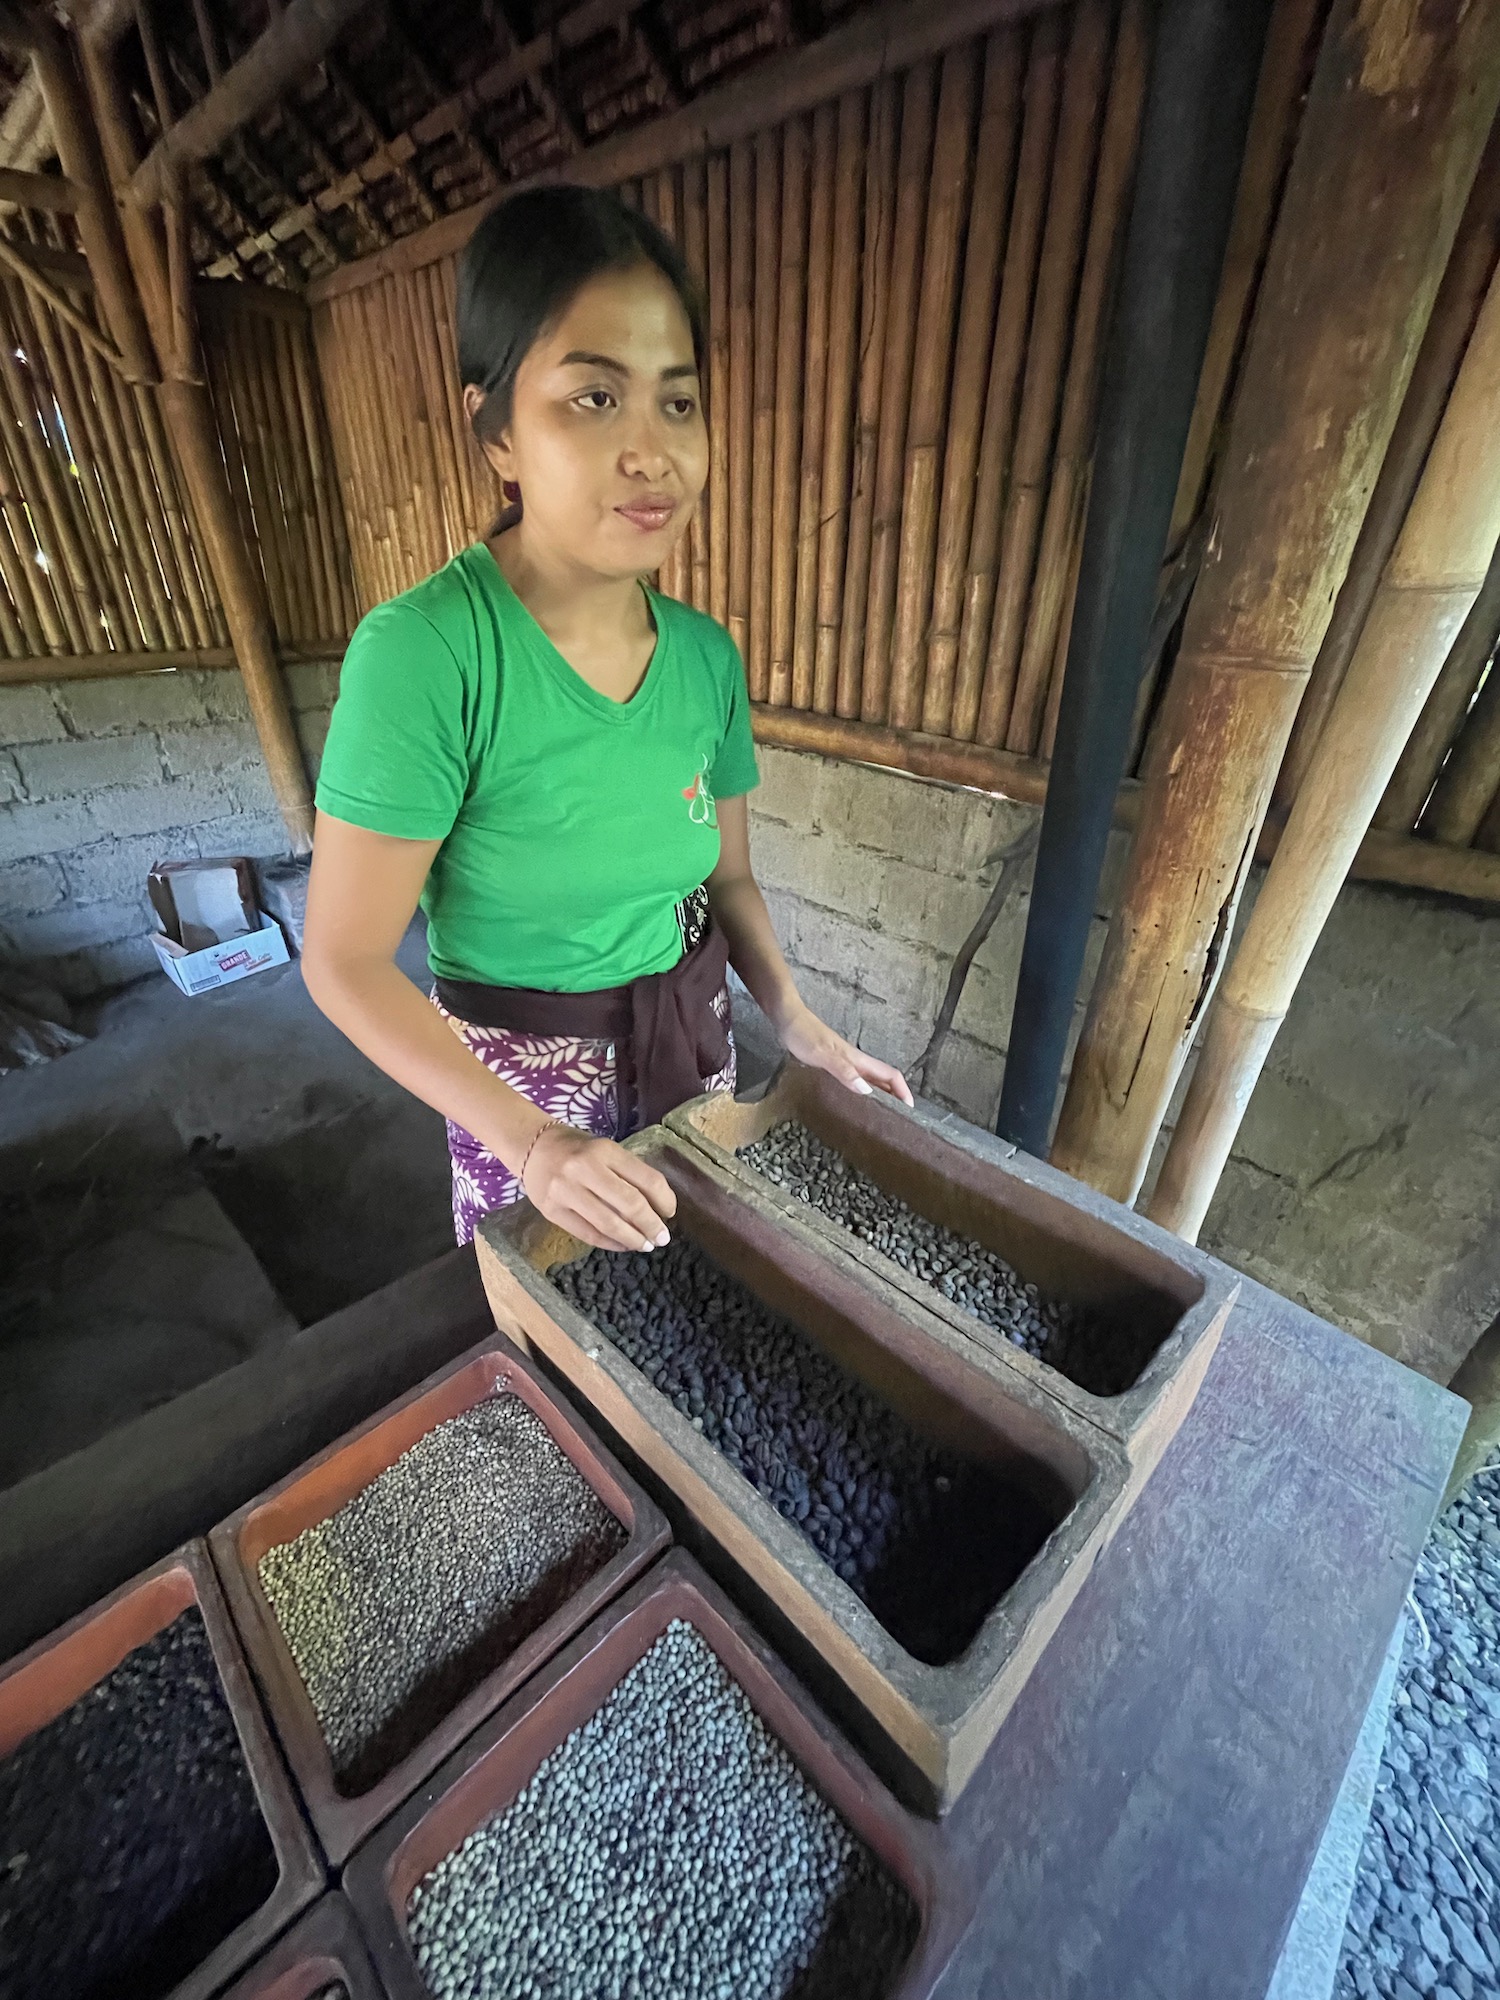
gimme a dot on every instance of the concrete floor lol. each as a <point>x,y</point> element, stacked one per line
<point>202,1178</point>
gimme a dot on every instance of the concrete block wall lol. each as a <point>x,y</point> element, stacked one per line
<point>1366,1179</point>
<point>101,779</point>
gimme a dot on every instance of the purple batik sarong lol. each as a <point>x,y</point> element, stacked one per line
<point>570,1079</point>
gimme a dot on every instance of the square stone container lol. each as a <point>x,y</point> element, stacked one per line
<point>484,1777</point>
<point>43,1682</point>
<point>325,1947</point>
<point>335,1476</point>
<point>924,1726</point>
<point>1168,1300</point>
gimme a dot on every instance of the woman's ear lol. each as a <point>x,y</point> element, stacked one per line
<point>497,451</point>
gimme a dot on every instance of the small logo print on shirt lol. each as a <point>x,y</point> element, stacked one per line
<point>701,808</point>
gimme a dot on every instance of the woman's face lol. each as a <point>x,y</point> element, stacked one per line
<point>606,439</point>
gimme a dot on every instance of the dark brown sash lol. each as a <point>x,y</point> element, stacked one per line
<point>668,1037</point>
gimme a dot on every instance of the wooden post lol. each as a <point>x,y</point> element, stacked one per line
<point>1429,584</point>
<point>188,413</point>
<point>1471,774</point>
<point>1397,115</point>
<point>1454,312</point>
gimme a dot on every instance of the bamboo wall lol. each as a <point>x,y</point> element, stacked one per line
<point>907,291</point>
<point>99,552</point>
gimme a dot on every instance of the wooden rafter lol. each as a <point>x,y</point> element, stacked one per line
<point>490,170</point>
<point>497,18</point>
<point>296,39</point>
<point>49,191</point>
<point>403,170</point>
<point>594,17</point>
<point>28,270</point>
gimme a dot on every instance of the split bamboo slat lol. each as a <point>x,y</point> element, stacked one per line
<point>875,282</point>
<point>839,396</point>
<point>1052,314</point>
<point>918,106</point>
<point>695,247</point>
<point>953,706</point>
<point>814,401</point>
<point>766,299</point>
<point>1060,546</point>
<point>994,170</point>
<point>718,294</point>
<point>787,450</point>
<point>741,386</point>
<point>947,213</point>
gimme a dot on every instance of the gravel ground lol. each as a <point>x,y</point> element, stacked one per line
<point>401,1602</point>
<point>668,1849</point>
<point>1096,1352</point>
<point>130,1839</point>
<point>1424,1923</point>
<point>927,1540</point>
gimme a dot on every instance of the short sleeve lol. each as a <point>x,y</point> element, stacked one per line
<point>735,770</point>
<point>395,761</point>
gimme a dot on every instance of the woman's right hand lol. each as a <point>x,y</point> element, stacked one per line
<point>598,1191</point>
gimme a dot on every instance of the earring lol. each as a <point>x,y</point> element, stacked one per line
<point>511,491</point>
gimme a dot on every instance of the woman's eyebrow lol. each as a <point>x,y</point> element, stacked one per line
<point>582,358</point>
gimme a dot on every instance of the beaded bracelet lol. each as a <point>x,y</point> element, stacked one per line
<point>550,1126</point>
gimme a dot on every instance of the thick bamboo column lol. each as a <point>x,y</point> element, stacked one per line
<point>1396,117</point>
<point>1429,584</point>
<point>1454,312</point>
<point>187,410</point>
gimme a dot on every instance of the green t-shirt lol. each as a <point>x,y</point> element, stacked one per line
<point>572,825</point>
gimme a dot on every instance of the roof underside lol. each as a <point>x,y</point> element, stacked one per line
<point>399,61</point>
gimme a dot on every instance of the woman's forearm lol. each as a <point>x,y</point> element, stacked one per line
<point>741,913</point>
<point>387,1019</point>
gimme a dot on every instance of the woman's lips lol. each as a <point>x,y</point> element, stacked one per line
<point>650,516</point>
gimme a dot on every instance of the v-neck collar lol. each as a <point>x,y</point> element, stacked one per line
<point>562,670</point>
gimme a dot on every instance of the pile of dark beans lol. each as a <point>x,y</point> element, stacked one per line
<point>668,1849</point>
<point>928,1540</point>
<point>131,1843</point>
<point>1091,1350</point>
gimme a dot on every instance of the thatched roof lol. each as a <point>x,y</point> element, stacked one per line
<point>605,67</point>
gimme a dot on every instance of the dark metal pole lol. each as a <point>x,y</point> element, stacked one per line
<point>1203,75</point>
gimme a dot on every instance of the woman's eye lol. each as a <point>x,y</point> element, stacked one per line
<point>682,406</point>
<point>595,399</point>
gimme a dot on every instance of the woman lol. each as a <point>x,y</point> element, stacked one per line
<point>553,759</point>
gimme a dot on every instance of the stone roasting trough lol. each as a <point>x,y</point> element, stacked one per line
<point>323,1485</point>
<point>925,1727</point>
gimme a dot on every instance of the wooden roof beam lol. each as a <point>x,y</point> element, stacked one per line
<point>49,191</point>
<point>594,17</point>
<point>296,39</point>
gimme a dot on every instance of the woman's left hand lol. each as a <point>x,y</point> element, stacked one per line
<point>813,1042</point>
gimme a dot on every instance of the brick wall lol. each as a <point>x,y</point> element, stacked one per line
<point>101,779</point>
<point>1364,1179</point>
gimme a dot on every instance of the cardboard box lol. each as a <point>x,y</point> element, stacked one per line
<point>210,930</point>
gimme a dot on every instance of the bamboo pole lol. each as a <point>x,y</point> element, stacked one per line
<point>1291,40</point>
<point>170,494</point>
<point>779,527</point>
<point>1467,782</point>
<point>1064,631</point>
<point>1046,357</point>
<point>741,387</point>
<point>875,280</point>
<point>188,413</point>
<point>695,248</point>
<point>814,401</point>
<point>12,638</point>
<point>112,407</point>
<point>44,342</point>
<point>323,501</point>
<point>839,396</point>
<point>46,503</point>
<point>28,583</point>
<point>1443,712</point>
<point>1395,123</point>
<point>947,213</point>
<point>917,106</point>
<point>994,164</point>
<point>1060,545</point>
<point>16,259</point>
<point>1429,585</point>
<point>953,705</point>
<point>1454,312</point>
<point>474,475</point>
<point>53,192</point>
<point>717,234</point>
<point>763,432</point>
<point>265,496</point>
<point>125,666</point>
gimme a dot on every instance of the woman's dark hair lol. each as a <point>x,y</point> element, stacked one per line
<point>524,265</point>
